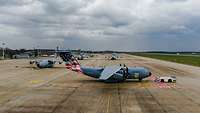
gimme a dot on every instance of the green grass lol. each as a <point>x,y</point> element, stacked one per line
<point>190,60</point>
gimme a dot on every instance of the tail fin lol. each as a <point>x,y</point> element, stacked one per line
<point>70,61</point>
<point>65,55</point>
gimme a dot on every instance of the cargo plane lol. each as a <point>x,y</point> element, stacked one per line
<point>108,74</point>
<point>45,63</point>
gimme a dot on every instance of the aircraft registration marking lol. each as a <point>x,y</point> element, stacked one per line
<point>136,75</point>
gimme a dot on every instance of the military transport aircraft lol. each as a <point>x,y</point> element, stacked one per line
<point>108,74</point>
<point>45,63</point>
<point>114,56</point>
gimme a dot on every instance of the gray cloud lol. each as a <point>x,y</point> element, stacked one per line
<point>15,2</point>
<point>100,24</point>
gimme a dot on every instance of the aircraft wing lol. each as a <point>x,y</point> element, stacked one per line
<point>108,72</point>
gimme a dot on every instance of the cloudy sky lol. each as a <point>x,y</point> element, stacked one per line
<point>130,25</point>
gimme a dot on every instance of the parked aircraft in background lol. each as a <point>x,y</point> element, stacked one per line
<point>81,56</point>
<point>108,74</point>
<point>46,63</point>
<point>114,56</point>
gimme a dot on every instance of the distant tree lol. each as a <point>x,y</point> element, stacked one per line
<point>22,50</point>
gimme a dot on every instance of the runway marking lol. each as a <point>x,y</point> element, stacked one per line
<point>107,111</point>
<point>35,81</point>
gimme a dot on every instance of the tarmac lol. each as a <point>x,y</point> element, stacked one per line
<point>26,89</point>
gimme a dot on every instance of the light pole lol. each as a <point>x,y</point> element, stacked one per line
<point>38,51</point>
<point>3,44</point>
<point>56,53</point>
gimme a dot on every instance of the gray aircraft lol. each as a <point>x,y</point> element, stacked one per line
<point>46,63</point>
<point>108,74</point>
<point>114,56</point>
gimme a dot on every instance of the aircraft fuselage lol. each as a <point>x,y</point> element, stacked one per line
<point>132,73</point>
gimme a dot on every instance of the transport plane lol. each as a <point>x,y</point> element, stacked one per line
<point>46,63</point>
<point>114,56</point>
<point>108,74</point>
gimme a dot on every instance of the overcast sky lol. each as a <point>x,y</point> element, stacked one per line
<point>130,25</point>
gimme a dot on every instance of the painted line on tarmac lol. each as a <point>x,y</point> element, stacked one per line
<point>36,81</point>
<point>108,105</point>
